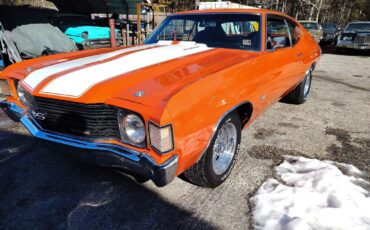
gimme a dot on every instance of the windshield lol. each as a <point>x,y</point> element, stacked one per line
<point>310,25</point>
<point>234,31</point>
<point>358,26</point>
<point>329,27</point>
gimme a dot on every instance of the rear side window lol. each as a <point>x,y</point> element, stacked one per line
<point>278,34</point>
<point>294,30</point>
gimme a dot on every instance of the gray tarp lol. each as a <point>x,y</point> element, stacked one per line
<point>33,39</point>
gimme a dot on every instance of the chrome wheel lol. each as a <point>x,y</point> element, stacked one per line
<point>224,148</point>
<point>307,84</point>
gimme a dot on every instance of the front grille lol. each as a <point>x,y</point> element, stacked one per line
<point>367,39</point>
<point>360,39</point>
<point>92,121</point>
<point>100,43</point>
<point>5,88</point>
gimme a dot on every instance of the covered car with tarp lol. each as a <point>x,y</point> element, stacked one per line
<point>34,40</point>
<point>25,33</point>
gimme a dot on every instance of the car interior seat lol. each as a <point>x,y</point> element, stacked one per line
<point>210,34</point>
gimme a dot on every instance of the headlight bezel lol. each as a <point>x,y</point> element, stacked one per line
<point>122,114</point>
<point>160,128</point>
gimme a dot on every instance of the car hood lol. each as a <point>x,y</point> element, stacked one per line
<point>330,31</point>
<point>95,32</point>
<point>315,32</point>
<point>357,31</point>
<point>148,74</point>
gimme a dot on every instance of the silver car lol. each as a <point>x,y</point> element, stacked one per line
<point>356,35</point>
<point>314,28</point>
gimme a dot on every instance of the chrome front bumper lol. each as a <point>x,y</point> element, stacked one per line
<point>352,45</point>
<point>106,155</point>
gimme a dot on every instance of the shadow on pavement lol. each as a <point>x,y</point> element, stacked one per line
<point>42,188</point>
<point>346,52</point>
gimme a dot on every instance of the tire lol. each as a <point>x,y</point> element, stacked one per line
<point>216,164</point>
<point>300,94</point>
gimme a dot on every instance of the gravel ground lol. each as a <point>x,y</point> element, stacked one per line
<point>42,188</point>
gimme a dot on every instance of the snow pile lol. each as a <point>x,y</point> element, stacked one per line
<point>313,194</point>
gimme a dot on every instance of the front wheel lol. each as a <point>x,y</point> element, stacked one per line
<point>217,162</point>
<point>300,94</point>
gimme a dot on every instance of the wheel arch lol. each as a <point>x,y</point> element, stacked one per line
<point>244,111</point>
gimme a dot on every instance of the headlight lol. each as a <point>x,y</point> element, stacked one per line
<point>22,95</point>
<point>132,129</point>
<point>85,35</point>
<point>161,138</point>
<point>346,38</point>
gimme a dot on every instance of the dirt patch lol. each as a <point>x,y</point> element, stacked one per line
<point>263,133</point>
<point>267,152</point>
<point>338,104</point>
<point>352,151</point>
<point>288,125</point>
<point>357,76</point>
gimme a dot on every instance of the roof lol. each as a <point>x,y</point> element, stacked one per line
<point>236,10</point>
<point>228,10</point>
<point>96,6</point>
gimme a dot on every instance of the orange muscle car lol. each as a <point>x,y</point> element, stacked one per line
<point>175,105</point>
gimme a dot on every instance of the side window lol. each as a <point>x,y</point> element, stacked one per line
<point>277,33</point>
<point>295,31</point>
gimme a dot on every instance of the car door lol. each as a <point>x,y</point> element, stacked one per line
<point>299,52</point>
<point>283,61</point>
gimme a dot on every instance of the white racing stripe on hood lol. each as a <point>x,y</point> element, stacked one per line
<point>37,76</point>
<point>76,83</point>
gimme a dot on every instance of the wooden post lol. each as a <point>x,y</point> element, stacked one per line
<point>138,12</point>
<point>112,33</point>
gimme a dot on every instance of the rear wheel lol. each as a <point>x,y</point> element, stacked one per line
<point>300,94</point>
<point>217,162</point>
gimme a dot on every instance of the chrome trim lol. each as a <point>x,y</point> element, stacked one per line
<point>13,107</point>
<point>36,131</point>
<point>122,157</point>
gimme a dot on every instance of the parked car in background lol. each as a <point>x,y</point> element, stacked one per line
<point>82,30</point>
<point>314,29</point>
<point>175,105</point>
<point>356,35</point>
<point>331,33</point>
<point>31,41</point>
